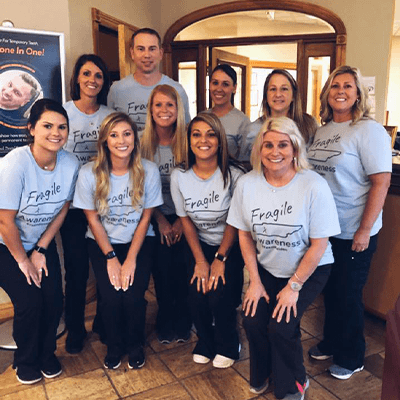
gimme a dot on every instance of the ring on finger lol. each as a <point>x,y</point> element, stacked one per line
<point>203,279</point>
<point>213,278</point>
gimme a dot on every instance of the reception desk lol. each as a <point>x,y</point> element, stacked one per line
<point>383,286</point>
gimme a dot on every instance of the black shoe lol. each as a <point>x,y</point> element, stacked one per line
<point>74,344</point>
<point>165,337</point>
<point>183,337</point>
<point>51,368</point>
<point>28,375</point>
<point>136,359</point>
<point>112,362</point>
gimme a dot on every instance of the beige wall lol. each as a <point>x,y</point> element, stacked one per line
<point>368,25</point>
<point>135,12</point>
<point>393,99</point>
<point>73,18</point>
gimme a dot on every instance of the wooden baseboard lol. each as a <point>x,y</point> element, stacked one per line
<point>7,309</point>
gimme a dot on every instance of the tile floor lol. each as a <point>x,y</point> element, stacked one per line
<point>170,373</point>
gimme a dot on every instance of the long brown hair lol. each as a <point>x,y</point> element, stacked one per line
<point>306,124</point>
<point>225,160</point>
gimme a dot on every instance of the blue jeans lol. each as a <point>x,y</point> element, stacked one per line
<point>344,309</point>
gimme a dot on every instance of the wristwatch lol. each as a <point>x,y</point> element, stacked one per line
<point>295,286</point>
<point>220,257</point>
<point>111,254</point>
<point>40,250</point>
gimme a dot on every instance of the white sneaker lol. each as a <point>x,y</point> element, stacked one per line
<point>199,359</point>
<point>222,361</point>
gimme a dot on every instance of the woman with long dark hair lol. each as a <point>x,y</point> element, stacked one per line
<point>89,88</point>
<point>202,192</point>
<point>38,183</point>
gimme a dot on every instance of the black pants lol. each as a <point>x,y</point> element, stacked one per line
<point>214,313</point>
<point>344,309</point>
<point>76,264</point>
<point>171,285</point>
<point>123,313</point>
<point>275,348</point>
<point>37,311</point>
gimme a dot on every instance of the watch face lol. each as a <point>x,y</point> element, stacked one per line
<point>296,286</point>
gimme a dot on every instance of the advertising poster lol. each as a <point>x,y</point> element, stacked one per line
<point>31,68</point>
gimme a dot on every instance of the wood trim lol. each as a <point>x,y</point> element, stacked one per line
<point>101,18</point>
<point>109,21</point>
<point>272,64</point>
<point>6,312</point>
<point>248,5</point>
<point>248,40</point>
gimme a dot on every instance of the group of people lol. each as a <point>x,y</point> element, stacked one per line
<point>138,188</point>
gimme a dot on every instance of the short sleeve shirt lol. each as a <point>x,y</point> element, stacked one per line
<point>37,195</point>
<point>122,219</point>
<point>282,220</point>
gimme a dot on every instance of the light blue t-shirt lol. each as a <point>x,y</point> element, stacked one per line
<point>166,163</point>
<point>122,219</point>
<point>131,97</point>
<point>345,155</point>
<point>84,131</point>
<point>205,201</point>
<point>37,194</point>
<point>252,131</point>
<point>283,219</point>
<point>235,124</point>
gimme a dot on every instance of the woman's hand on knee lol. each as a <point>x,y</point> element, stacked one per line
<point>217,272</point>
<point>287,301</point>
<point>177,230</point>
<point>114,272</point>
<point>254,293</point>
<point>39,261</point>
<point>127,274</point>
<point>166,232</point>
<point>201,273</point>
<point>30,271</point>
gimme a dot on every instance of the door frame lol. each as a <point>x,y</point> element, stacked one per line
<point>249,5</point>
<point>337,39</point>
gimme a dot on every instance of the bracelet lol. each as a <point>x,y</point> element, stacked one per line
<point>40,250</point>
<point>220,257</point>
<point>295,274</point>
<point>110,255</point>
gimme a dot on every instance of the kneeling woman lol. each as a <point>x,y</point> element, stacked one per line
<point>38,182</point>
<point>202,195</point>
<point>118,192</point>
<point>285,214</point>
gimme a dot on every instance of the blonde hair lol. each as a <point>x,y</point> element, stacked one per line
<point>306,123</point>
<point>361,107</point>
<point>150,141</point>
<point>281,125</point>
<point>102,164</point>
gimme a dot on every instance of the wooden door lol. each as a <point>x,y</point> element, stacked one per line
<point>235,60</point>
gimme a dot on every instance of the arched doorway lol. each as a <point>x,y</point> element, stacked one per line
<point>330,44</point>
